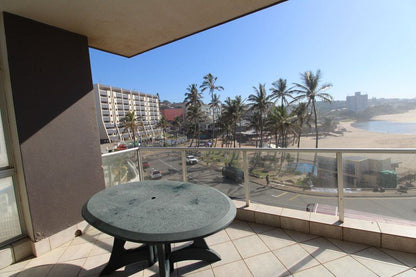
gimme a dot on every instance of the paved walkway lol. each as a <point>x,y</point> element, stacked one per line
<point>247,249</point>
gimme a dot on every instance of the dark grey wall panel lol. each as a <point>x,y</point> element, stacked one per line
<point>56,121</point>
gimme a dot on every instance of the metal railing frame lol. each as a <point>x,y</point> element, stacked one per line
<point>337,151</point>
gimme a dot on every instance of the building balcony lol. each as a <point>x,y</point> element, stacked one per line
<point>246,249</point>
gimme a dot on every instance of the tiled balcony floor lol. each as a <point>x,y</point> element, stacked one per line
<point>247,249</point>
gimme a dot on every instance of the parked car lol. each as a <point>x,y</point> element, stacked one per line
<point>232,173</point>
<point>155,174</point>
<point>190,159</point>
<point>145,165</point>
<point>121,146</point>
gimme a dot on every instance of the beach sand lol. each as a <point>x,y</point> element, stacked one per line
<point>360,138</point>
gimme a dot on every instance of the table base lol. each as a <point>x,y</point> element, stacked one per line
<point>121,257</point>
<point>147,255</point>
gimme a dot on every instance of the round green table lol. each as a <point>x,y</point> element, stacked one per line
<point>158,213</point>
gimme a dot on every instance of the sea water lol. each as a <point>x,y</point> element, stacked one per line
<point>388,127</point>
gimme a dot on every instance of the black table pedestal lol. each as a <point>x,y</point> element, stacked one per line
<point>198,250</point>
<point>121,257</point>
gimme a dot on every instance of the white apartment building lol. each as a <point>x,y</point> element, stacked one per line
<point>358,102</point>
<point>113,104</point>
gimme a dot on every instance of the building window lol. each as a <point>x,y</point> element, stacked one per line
<point>9,216</point>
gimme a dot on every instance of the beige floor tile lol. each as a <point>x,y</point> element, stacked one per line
<point>239,229</point>
<point>314,271</point>
<point>406,258</point>
<point>295,258</point>
<point>347,266</point>
<point>80,240</point>
<point>132,270</point>
<point>250,246</point>
<point>101,247</point>
<point>69,269</point>
<point>49,258</point>
<point>205,273</point>
<point>15,267</point>
<point>379,262</point>
<point>228,253</point>
<point>9,273</point>
<point>238,268</point>
<point>37,271</point>
<point>300,237</point>
<point>94,265</point>
<point>348,247</point>
<point>260,228</point>
<point>407,273</point>
<point>186,267</point>
<point>217,238</point>
<point>128,245</point>
<point>265,265</point>
<point>74,252</point>
<point>322,250</point>
<point>276,238</point>
<point>91,231</point>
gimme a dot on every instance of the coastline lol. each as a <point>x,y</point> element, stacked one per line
<point>360,138</point>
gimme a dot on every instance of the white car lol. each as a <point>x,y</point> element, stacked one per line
<point>191,160</point>
<point>155,174</point>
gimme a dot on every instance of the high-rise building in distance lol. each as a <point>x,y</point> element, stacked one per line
<point>358,102</point>
<point>112,106</point>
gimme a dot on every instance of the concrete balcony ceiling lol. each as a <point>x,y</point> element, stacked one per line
<point>132,27</point>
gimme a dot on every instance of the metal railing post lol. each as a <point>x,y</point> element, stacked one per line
<point>340,181</point>
<point>246,178</point>
<point>184,171</point>
<point>140,164</point>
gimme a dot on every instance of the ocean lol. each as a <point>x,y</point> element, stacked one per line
<point>388,127</point>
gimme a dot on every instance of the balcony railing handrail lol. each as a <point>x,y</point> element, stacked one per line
<point>310,150</point>
<point>338,151</point>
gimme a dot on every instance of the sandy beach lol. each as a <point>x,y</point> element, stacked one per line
<point>359,138</point>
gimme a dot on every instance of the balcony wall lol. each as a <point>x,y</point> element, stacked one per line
<point>51,86</point>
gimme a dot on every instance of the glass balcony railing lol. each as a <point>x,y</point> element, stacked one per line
<point>373,184</point>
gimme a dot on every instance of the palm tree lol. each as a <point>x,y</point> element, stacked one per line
<point>260,102</point>
<point>310,90</point>
<point>209,84</point>
<point>193,113</point>
<point>163,124</point>
<point>215,104</point>
<point>129,124</point>
<point>302,116</point>
<point>233,112</point>
<point>281,91</point>
<point>192,97</point>
<point>279,121</point>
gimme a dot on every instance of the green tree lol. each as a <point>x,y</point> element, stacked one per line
<point>194,115</point>
<point>280,91</point>
<point>279,121</point>
<point>129,124</point>
<point>193,109</point>
<point>214,105</point>
<point>311,90</point>
<point>302,117</point>
<point>192,97</point>
<point>163,124</point>
<point>233,111</point>
<point>209,84</point>
<point>260,102</point>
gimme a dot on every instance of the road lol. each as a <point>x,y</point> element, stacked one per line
<point>399,208</point>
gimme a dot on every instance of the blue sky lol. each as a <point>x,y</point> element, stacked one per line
<point>359,45</point>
